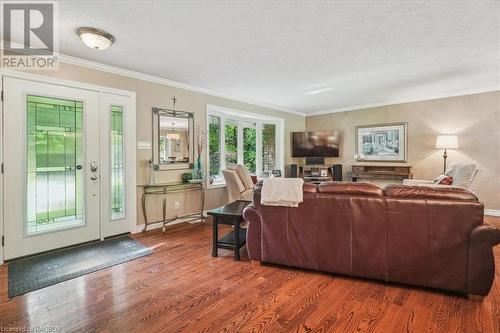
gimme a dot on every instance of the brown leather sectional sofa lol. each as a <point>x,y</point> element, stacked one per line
<point>424,236</point>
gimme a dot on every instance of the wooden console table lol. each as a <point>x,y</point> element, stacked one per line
<point>168,188</point>
<point>380,172</point>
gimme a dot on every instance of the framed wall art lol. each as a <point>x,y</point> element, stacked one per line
<point>382,143</point>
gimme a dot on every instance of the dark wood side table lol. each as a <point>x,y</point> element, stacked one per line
<point>230,214</point>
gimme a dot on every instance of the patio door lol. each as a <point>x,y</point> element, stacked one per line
<point>51,166</point>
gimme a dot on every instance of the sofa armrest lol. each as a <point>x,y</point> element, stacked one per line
<point>417,182</point>
<point>481,262</point>
<point>252,216</point>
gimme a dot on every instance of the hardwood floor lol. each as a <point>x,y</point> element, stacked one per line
<point>181,288</point>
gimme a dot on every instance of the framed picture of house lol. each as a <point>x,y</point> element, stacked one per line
<point>382,143</point>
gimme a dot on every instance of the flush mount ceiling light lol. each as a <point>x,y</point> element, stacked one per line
<point>95,38</point>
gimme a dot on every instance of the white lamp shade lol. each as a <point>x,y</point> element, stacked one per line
<point>447,141</point>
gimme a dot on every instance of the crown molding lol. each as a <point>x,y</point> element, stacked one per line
<point>160,80</point>
<point>406,100</point>
<point>167,82</point>
<point>176,84</point>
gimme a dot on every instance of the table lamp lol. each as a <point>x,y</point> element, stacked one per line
<point>446,141</point>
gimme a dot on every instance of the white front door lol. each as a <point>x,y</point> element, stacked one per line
<point>51,166</point>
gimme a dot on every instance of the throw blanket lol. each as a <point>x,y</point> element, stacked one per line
<point>282,192</point>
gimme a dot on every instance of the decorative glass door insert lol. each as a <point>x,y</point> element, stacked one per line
<point>55,157</point>
<point>117,161</point>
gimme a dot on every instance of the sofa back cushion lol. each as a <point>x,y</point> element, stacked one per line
<point>430,192</point>
<point>310,188</point>
<point>350,188</point>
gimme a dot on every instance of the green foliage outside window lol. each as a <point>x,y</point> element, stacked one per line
<point>231,138</point>
<point>230,141</point>
<point>214,145</point>
<point>249,148</point>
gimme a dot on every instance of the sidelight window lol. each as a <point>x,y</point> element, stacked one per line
<point>117,163</point>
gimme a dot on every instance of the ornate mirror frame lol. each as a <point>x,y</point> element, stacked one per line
<point>155,146</point>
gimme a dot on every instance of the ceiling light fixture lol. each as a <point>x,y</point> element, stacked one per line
<point>318,91</point>
<point>95,38</point>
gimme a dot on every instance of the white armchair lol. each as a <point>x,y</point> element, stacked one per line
<point>239,183</point>
<point>462,175</point>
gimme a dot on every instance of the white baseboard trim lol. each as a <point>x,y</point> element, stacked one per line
<point>492,212</point>
<point>159,224</point>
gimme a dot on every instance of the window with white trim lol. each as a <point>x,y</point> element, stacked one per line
<point>236,137</point>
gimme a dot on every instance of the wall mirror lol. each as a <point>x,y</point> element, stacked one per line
<point>173,138</point>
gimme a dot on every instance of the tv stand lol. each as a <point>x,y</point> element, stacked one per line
<point>317,173</point>
<point>383,172</point>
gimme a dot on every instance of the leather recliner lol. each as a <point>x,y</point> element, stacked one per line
<point>425,236</point>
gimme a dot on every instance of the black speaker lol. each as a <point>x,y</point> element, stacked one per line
<point>315,160</point>
<point>337,172</point>
<point>293,171</point>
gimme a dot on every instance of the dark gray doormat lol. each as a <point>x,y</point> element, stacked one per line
<point>44,270</point>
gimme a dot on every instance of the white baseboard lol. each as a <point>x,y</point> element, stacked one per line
<point>159,224</point>
<point>492,212</point>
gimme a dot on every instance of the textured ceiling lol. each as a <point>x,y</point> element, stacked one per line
<point>351,52</point>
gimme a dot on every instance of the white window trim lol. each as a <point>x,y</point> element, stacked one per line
<point>244,116</point>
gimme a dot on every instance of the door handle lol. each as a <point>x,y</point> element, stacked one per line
<point>93,177</point>
<point>93,166</point>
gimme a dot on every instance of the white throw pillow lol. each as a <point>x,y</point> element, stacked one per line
<point>462,174</point>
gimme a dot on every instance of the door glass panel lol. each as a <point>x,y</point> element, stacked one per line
<point>54,159</point>
<point>117,160</point>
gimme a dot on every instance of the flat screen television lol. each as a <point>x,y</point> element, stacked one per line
<point>315,144</point>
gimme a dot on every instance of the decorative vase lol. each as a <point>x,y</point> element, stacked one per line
<point>198,169</point>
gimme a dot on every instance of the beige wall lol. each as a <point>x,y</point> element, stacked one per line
<point>475,118</point>
<point>150,94</point>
